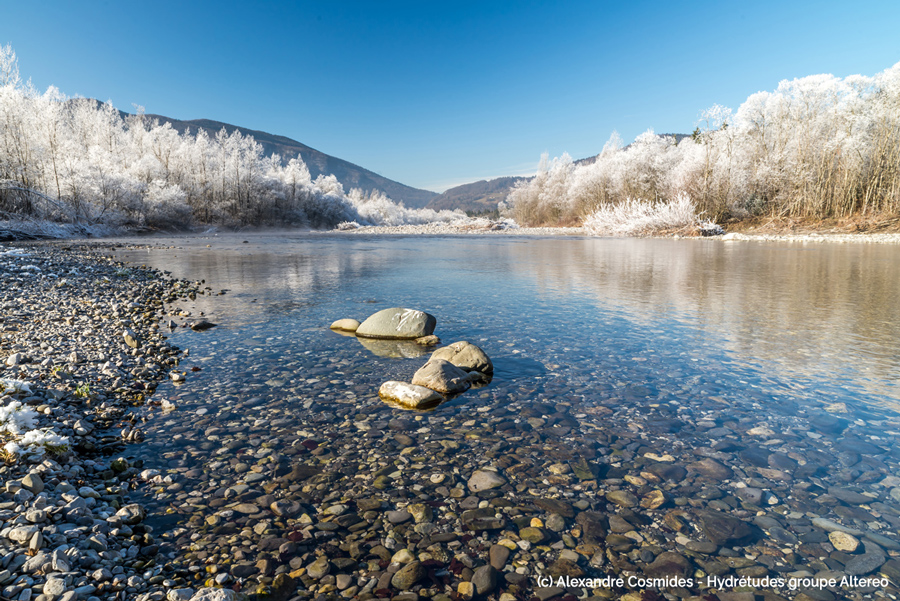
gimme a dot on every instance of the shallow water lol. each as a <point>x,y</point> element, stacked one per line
<point>818,322</point>
<point>747,364</point>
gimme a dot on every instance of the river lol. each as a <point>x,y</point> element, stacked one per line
<point>763,367</point>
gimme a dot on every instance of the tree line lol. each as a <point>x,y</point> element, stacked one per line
<point>818,147</point>
<point>83,161</point>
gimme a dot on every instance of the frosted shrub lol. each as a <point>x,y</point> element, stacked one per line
<point>635,217</point>
<point>377,209</point>
<point>17,419</point>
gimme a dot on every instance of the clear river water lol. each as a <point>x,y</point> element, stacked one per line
<point>728,403</point>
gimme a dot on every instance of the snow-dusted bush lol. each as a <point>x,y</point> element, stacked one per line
<point>635,217</point>
<point>18,425</point>
<point>10,385</point>
<point>377,209</point>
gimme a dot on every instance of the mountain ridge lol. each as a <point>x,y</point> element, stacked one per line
<point>349,174</point>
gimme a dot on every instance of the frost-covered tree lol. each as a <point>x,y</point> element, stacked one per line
<point>815,147</point>
<point>86,162</point>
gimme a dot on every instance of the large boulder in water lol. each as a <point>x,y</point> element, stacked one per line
<point>465,356</point>
<point>442,376</point>
<point>397,324</point>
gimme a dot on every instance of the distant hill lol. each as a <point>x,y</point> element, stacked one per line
<point>484,195</point>
<point>478,196</point>
<point>350,175</point>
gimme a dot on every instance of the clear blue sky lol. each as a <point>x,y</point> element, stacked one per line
<point>437,94</point>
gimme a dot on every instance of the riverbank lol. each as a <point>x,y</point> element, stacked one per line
<point>80,348</point>
<point>756,234</point>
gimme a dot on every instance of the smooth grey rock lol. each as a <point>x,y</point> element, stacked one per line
<point>217,594</point>
<point>622,498</point>
<point>466,356</point>
<point>411,396</point>
<point>722,529</point>
<point>22,534</point>
<point>408,575</point>
<point>397,323</point>
<point>132,514</point>
<point>131,339</point>
<point>54,586</point>
<point>319,568</point>
<point>832,526</point>
<point>180,594</point>
<point>863,564</point>
<point>485,579</point>
<point>499,556</point>
<point>33,483</point>
<point>485,480</point>
<point>345,325</point>
<point>754,496</point>
<point>441,376</point>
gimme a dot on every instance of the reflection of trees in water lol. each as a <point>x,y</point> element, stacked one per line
<point>816,311</point>
<point>811,308</point>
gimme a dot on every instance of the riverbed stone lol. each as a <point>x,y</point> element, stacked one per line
<point>864,564</point>
<point>485,580</point>
<point>485,480</point>
<point>622,498</point>
<point>844,542</point>
<point>408,575</point>
<point>721,529</point>
<point>499,554</point>
<point>711,469</point>
<point>397,323</point>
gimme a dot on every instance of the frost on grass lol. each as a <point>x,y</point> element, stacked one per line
<point>17,419</point>
<point>640,217</point>
<point>18,426</point>
<point>38,442</point>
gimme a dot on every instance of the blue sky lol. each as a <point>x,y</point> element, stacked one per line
<point>437,94</point>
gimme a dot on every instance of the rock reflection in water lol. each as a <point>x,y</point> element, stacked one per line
<point>396,349</point>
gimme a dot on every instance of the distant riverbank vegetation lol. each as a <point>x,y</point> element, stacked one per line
<point>816,148</point>
<point>83,163</point>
